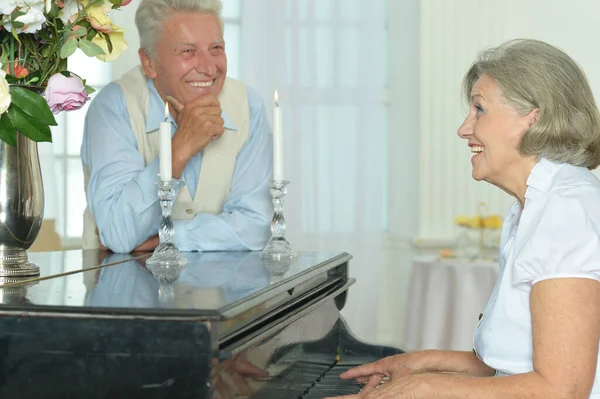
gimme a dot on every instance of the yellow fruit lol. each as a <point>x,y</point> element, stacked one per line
<point>475,222</point>
<point>492,222</point>
<point>462,220</point>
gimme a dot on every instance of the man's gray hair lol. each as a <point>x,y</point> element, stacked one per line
<point>532,74</point>
<point>151,15</point>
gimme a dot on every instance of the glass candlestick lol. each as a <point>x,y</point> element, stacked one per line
<point>166,259</point>
<point>278,247</point>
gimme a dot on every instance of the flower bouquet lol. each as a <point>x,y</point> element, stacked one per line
<point>36,38</point>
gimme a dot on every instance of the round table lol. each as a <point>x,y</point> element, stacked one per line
<point>445,299</point>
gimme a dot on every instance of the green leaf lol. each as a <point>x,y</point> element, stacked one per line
<point>62,65</point>
<point>68,48</point>
<point>81,32</point>
<point>8,133</point>
<point>53,11</point>
<point>90,49</point>
<point>13,19</point>
<point>11,79</point>
<point>47,52</point>
<point>43,34</point>
<point>16,14</point>
<point>108,43</point>
<point>32,104</point>
<point>29,128</point>
<point>89,90</point>
<point>14,33</point>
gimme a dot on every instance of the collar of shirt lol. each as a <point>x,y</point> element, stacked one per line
<point>540,178</point>
<point>155,117</point>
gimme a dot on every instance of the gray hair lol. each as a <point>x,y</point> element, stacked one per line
<point>151,15</point>
<point>535,75</point>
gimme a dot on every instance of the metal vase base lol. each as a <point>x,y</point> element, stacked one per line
<point>14,263</point>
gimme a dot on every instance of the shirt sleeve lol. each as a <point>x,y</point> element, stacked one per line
<point>247,212</point>
<point>121,191</point>
<point>563,244</point>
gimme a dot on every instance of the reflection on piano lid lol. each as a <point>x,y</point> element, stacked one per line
<point>232,326</point>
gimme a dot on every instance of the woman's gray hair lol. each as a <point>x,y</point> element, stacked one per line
<point>151,15</point>
<point>532,74</point>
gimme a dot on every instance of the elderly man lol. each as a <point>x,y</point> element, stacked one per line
<point>221,142</point>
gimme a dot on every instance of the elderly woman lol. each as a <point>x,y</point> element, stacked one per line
<point>534,131</point>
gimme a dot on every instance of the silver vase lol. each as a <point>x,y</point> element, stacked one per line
<point>21,206</point>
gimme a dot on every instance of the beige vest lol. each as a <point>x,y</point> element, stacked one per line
<point>218,158</point>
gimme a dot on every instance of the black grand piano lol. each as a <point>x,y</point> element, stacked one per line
<point>230,325</point>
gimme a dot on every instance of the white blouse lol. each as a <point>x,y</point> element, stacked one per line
<point>556,235</point>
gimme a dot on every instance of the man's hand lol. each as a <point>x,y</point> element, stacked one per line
<point>199,122</point>
<point>149,245</point>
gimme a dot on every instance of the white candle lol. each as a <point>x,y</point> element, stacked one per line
<point>166,173</point>
<point>277,140</point>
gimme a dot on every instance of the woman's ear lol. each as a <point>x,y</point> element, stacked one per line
<point>534,116</point>
<point>147,64</point>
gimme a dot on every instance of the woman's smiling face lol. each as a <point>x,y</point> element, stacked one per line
<point>494,130</point>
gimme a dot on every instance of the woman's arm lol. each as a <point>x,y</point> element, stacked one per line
<point>454,362</point>
<point>565,317</point>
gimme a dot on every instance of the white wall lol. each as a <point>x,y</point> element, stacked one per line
<point>452,33</point>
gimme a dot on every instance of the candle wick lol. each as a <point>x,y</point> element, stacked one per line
<point>276,104</point>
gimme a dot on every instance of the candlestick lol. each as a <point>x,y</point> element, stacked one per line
<point>166,173</point>
<point>166,259</point>
<point>278,247</point>
<point>277,140</point>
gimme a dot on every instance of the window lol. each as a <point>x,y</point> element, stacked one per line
<point>232,13</point>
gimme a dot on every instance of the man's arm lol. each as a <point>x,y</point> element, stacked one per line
<point>245,220</point>
<point>122,192</point>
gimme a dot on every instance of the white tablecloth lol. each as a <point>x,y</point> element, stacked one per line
<point>445,300</point>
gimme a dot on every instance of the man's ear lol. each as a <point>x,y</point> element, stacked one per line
<point>147,64</point>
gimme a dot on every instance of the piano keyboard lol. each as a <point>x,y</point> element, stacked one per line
<point>320,380</point>
<point>330,384</point>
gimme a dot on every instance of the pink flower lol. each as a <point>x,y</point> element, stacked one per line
<point>65,94</point>
<point>125,2</point>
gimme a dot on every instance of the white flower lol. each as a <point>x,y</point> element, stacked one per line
<point>70,9</point>
<point>34,16</point>
<point>8,6</point>
<point>4,93</point>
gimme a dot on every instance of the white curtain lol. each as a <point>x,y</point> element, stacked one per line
<point>327,59</point>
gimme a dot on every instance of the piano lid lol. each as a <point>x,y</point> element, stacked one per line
<point>214,285</point>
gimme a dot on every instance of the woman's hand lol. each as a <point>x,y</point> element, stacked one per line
<point>392,367</point>
<point>413,386</point>
<point>405,364</point>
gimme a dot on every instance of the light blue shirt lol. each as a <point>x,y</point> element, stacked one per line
<point>122,191</point>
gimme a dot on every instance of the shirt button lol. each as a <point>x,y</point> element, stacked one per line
<point>189,211</point>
